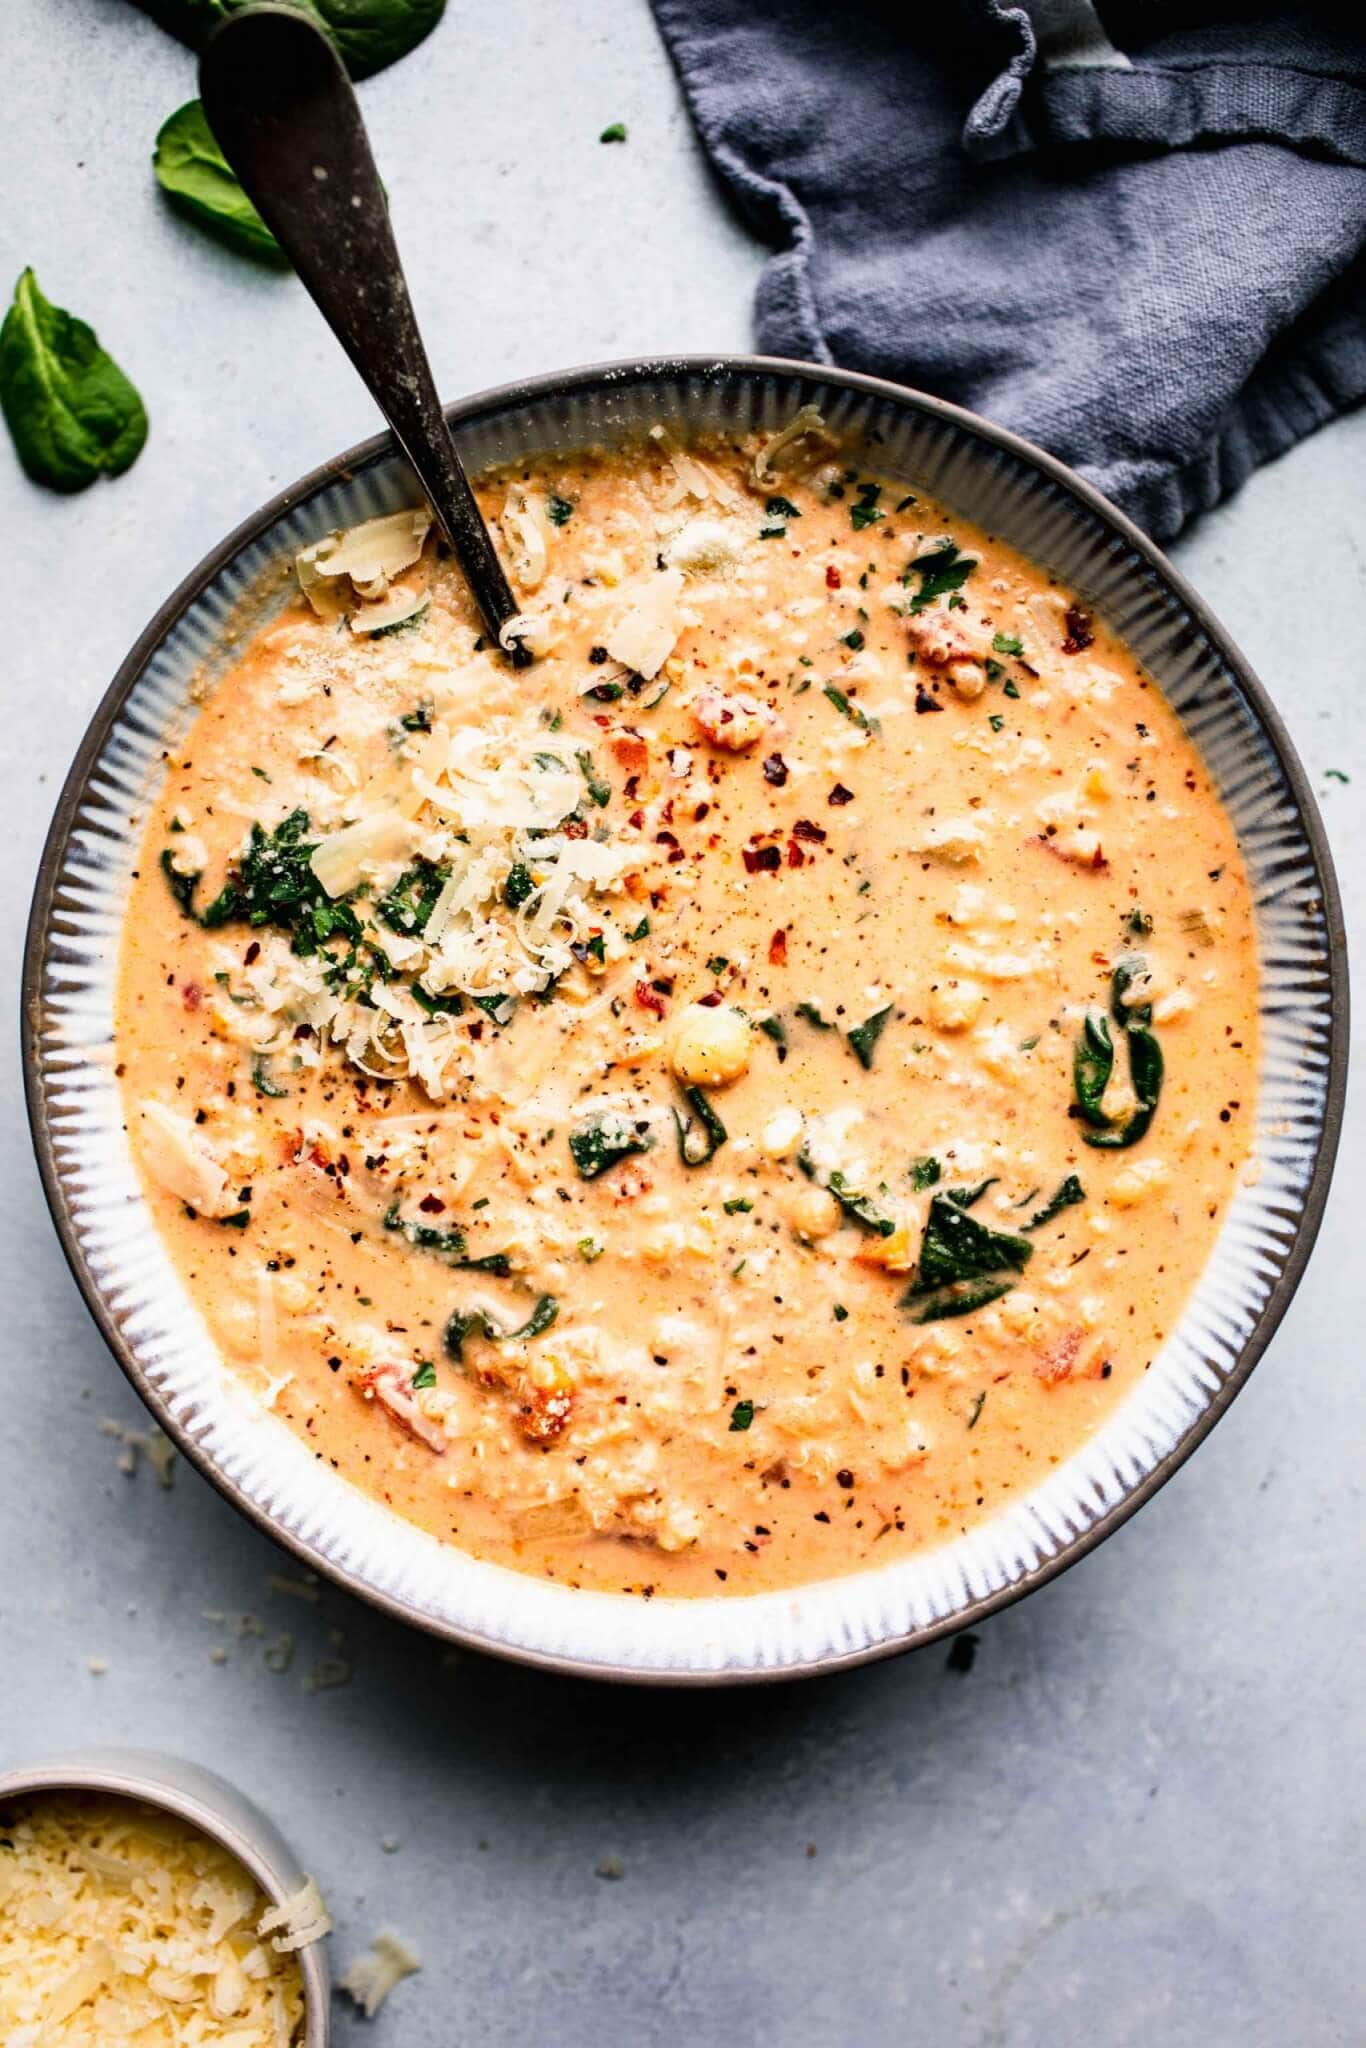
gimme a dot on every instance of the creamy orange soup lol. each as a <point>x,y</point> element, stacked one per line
<point>732,1103</point>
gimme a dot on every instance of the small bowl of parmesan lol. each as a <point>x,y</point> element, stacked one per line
<point>144,1898</point>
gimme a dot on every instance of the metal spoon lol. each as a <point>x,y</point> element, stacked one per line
<point>281,107</point>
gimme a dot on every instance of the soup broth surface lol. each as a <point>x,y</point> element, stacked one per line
<point>732,1103</point>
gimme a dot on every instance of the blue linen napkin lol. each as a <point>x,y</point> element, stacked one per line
<point>1142,243</point>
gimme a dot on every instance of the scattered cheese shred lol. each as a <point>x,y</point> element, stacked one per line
<point>119,1923</point>
<point>373,1975</point>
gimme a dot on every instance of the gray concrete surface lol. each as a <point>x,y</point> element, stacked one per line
<point>1137,1819</point>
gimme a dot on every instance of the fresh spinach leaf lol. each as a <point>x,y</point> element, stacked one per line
<point>700,1134</point>
<point>72,413</point>
<point>195,175</point>
<point>960,1301</point>
<point>460,1326</point>
<point>1146,1067</point>
<point>860,1208</point>
<point>604,1138</point>
<point>864,1037</point>
<point>1070,1192</point>
<point>957,1247</point>
<point>262,1080</point>
<point>925,1173</point>
<point>1093,1062</point>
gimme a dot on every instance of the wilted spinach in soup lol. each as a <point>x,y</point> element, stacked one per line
<point>732,1103</point>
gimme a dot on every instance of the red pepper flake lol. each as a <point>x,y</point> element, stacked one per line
<point>637,818</point>
<point>924,701</point>
<point>832,578</point>
<point>432,1205</point>
<point>1079,634</point>
<point>192,995</point>
<point>840,795</point>
<point>252,954</point>
<point>575,828</point>
<point>649,999</point>
<point>665,839</point>
<point>777,949</point>
<point>775,770</point>
<point>700,813</point>
<point>761,857</point>
<point>710,1001</point>
<point>795,857</point>
<point>815,834</point>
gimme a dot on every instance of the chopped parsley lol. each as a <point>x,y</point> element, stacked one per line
<point>518,886</point>
<point>425,1376</point>
<point>925,1172</point>
<point>598,790</point>
<point>1008,643</point>
<point>782,508</point>
<point>741,1415</point>
<point>866,510</point>
<point>943,569</point>
<point>558,510</point>
<point>851,710</point>
<point>738,1205</point>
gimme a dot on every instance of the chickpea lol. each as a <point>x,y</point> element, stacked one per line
<point>710,1046</point>
<point>968,679</point>
<point>730,722</point>
<point>953,1005</point>
<point>814,1213</point>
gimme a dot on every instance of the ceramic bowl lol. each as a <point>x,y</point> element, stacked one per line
<point>208,1803</point>
<point>160,1340</point>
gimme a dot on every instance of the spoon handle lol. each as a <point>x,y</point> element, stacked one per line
<point>281,107</point>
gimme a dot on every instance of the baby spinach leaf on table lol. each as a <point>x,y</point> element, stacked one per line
<point>700,1134</point>
<point>72,413</point>
<point>369,34</point>
<point>601,1140</point>
<point>460,1326</point>
<point>1069,1192</point>
<point>195,175</point>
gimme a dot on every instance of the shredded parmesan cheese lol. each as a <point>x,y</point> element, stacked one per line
<point>119,1923</point>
